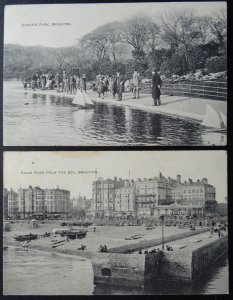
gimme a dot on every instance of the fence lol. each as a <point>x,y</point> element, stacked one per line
<point>215,90</point>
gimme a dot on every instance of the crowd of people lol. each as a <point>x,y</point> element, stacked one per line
<point>119,83</point>
<point>62,81</point>
<point>114,84</point>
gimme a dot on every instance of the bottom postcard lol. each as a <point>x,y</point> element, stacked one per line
<point>115,222</point>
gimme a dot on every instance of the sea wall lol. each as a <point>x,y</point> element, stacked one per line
<point>119,269</point>
<point>204,256</point>
<point>185,265</point>
<point>151,243</point>
<point>176,266</point>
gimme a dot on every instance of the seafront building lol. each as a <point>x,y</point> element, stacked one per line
<point>103,196</point>
<point>152,197</point>
<point>5,203</point>
<point>36,201</point>
<point>12,202</point>
<point>125,199</point>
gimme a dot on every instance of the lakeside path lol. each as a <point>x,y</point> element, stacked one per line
<point>176,106</point>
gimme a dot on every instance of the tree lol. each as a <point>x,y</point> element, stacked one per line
<point>219,28</point>
<point>135,33</point>
<point>60,55</point>
<point>98,40</point>
<point>153,36</point>
<point>181,29</point>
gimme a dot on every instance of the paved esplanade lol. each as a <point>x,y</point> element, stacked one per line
<point>192,242</point>
<point>179,106</point>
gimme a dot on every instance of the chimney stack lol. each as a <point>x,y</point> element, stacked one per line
<point>179,179</point>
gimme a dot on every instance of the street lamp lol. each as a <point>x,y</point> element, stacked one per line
<point>162,219</point>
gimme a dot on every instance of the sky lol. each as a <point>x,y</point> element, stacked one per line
<point>83,18</point>
<point>141,164</point>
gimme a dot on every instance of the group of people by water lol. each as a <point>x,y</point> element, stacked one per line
<point>62,81</point>
<point>116,85</point>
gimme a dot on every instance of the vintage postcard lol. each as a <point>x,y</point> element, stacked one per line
<point>115,74</point>
<point>78,223</point>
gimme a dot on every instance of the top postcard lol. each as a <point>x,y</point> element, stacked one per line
<point>115,74</point>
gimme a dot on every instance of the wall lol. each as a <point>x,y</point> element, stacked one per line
<point>206,255</point>
<point>176,266</point>
<point>126,269</point>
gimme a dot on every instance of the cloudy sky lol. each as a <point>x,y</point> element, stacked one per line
<point>141,164</point>
<point>82,18</point>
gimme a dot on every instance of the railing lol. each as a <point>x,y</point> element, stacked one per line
<point>215,90</point>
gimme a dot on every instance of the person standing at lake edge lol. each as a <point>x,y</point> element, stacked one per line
<point>136,85</point>
<point>120,85</point>
<point>156,86</point>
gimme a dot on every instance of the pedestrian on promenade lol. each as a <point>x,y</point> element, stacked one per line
<point>58,79</point>
<point>99,84</point>
<point>114,86</point>
<point>136,85</point>
<point>84,83</point>
<point>34,80</point>
<point>156,86</point>
<point>120,85</point>
<point>43,81</point>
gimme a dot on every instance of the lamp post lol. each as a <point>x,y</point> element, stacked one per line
<point>162,219</point>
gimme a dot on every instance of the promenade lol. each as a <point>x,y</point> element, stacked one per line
<point>175,106</point>
<point>179,106</point>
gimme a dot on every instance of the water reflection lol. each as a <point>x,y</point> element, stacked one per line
<point>53,120</point>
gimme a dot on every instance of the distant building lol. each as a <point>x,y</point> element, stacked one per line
<point>153,197</point>
<point>124,203</point>
<point>194,198</point>
<point>81,202</point>
<point>5,203</point>
<point>103,195</point>
<point>43,201</point>
<point>152,192</point>
<point>12,199</point>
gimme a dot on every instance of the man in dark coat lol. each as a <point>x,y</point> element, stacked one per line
<point>120,80</point>
<point>114,86</point>
<point>156,86</point>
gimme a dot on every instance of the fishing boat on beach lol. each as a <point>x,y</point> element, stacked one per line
<point>82,100</point>
<point>25,237</point>
<point>76,235</point>
<point>57,242</point>
<point>150,227</point>
<point>134,237</point>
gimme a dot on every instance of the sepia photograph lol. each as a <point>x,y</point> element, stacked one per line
<point>78,223</point>
<point>115,74</point>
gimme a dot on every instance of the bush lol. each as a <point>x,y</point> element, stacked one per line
<point>165,69</point>
<point>216,64</point>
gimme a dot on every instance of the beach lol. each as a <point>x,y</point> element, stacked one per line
<point>111,236</point>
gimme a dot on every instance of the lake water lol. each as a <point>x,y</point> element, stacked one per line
<point>40,273</point>
<point>41,120</point>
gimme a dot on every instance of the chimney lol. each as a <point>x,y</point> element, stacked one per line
<point>178,179</point>
<point>126,183</point>
<point>204,180</point>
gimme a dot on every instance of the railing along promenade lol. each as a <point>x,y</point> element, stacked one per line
<point>215,90</point>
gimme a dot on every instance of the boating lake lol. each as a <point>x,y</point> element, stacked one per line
<point>30,272</point>
<point>31,119</point>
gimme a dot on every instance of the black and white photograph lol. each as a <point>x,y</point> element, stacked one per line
<point>115,74</point>
<point>78,223</point>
